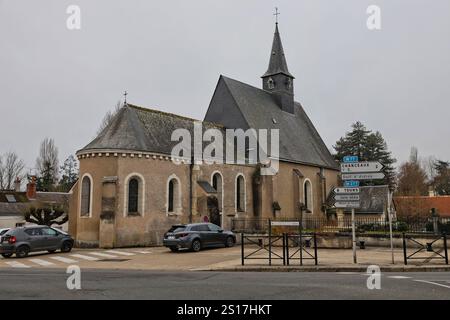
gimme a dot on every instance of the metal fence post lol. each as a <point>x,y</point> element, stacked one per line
<point>445,247</point>
<point>405,258</point>
<point>315,249</point>
<point>287,249</point>
<point>284,246</point>
<point>270,242</point>
<point>242,249</point>
<point>301,248</point>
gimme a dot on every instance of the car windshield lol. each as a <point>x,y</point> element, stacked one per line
<point>2,232</point>
<point>60,231</point>
<point>175,229</point>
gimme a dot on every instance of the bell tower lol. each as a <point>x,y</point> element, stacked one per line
<point>277,80</point>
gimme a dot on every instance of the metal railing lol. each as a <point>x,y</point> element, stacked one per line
<point>426,225</point>
<point>430,247</point>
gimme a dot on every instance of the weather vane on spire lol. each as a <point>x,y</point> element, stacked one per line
<point>276,14</point>
<point>125,95</point>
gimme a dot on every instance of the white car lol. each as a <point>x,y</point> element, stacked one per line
<point>2,232</point>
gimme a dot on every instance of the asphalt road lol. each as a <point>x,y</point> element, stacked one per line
<point>131,284</point>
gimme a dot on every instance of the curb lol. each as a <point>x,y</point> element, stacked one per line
<point>363,269</point>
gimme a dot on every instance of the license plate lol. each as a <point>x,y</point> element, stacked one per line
<point>171,237</point>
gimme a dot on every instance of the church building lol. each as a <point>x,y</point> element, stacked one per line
<point>130,191</point>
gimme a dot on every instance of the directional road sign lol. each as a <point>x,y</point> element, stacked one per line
<point>353,167</point>
<point>346,197</point>
<point>347,204</point>
<point>362,176</point>
<point>342,190</point>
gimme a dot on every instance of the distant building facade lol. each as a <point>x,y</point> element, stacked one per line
<point>130,192</point>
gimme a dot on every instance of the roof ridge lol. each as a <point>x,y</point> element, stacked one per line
<point>171,114</point>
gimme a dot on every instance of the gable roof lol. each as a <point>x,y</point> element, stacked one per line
<point>299,140</point>
<point>140,129</point>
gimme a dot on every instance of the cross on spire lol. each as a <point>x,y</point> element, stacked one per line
<point>276,14</point>
<point>125,95</point>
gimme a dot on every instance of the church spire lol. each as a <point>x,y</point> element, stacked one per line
<point>277,63</point>
<point>278,80</point>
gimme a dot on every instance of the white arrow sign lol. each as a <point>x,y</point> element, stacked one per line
<point>347,204</point>
<point>373,166</point>
<point>346,190</point>
<point>346,197</point>
<point>362,176</point>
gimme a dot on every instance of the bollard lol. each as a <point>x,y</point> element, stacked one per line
<point>405,259</point>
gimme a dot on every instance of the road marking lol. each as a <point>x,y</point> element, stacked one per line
<point>63,259</point>
<point>41,262</point>
<point>104,255</point>
<point>121,252</point>
<point>436,284</point>
<point>399,277</point>
<point>16,264</point>
<point>143,252</point>
<point>82,256</point>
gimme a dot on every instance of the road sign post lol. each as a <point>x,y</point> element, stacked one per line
<point>354,236</point>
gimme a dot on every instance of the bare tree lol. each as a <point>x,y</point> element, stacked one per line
<point>109,116</point>
<point>11,167</point>
<point>47,165</point>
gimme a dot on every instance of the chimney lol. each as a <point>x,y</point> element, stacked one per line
<point>31,188</point>
<point>17,184</point>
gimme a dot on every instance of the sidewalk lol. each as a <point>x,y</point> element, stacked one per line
<point>336,260</point>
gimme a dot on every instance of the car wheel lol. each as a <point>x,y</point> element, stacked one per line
<point>51,251</point>
<point>66,246</point>
<point>7,255</point>
<point>196,245</point>
<point>230,242</point>
<point>22,251</point>
<point>174,249</point>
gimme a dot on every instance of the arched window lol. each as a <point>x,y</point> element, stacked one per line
<point>173,195</point>
<point>217,184</point>
<point>85,197</point>
<point>133,195</point>
<point>307,194</point>
<point>240,194</point>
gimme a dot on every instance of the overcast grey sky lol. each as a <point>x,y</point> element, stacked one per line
<point>59,83</point>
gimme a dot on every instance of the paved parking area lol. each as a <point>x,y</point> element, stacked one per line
<point>150,258</point>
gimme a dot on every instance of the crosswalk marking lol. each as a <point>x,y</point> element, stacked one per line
<point>104,255</point>
<point>41,262</point>
<point>82,256</point>
<point>121,252</point>
<point>16,264</point>
<point>64,259</point>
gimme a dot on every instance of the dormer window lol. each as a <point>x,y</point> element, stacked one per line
<point>270,83</point>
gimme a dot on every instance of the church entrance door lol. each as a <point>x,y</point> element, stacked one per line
<point>213,211</point>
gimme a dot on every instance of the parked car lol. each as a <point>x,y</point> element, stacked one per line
<point>23,240</point>
<point>2,232</point>
<point>197,236</point>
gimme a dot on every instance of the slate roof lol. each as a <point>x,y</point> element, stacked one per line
<point>277,61</point>
<point>299,140</point>
<point>139,129</point>
<point>373,200</point>
<point>206,186</point>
